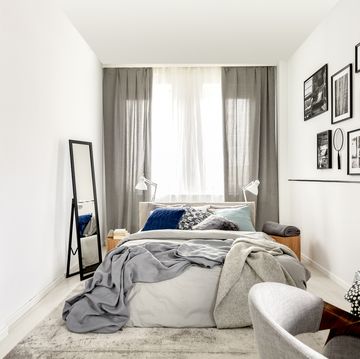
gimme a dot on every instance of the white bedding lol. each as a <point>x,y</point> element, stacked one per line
<point>185,301</point>
<point>89,250</point>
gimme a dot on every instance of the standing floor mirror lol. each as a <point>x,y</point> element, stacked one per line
<point>84,211</point>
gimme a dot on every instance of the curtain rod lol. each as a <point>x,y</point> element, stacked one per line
<point>182,65</point>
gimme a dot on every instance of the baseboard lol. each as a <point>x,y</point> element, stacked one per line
<point>28,306</point>
<point>326,272</point>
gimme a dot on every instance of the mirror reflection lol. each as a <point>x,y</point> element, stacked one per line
<point>85,208</point>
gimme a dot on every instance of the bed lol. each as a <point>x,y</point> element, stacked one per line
<point>200,296</point>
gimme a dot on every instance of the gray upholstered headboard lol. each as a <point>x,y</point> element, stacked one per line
<point>146,207</point>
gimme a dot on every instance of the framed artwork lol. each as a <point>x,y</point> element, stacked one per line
<point>341,95</point>
<point>316,93</point>
<point>353,152</point>
<point>357,58</point>
<point>324,147</point>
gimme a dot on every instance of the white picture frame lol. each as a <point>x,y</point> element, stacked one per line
<point>353,152</point>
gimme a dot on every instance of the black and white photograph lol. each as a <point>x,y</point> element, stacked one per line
<point>324,144</point>
<point>357,57</point>
<point>316,93</point>
<point>353,138</point>
<point>341,95</point>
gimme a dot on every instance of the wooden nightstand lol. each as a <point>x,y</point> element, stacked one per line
<point>294,243</point>
<point>113,239</point>
<point>111,243</point>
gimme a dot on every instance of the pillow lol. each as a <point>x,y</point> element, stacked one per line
<point>83,221</point>
<point>241,216</point>
<point>164,218</point>
<point>91,227</point>
<point>353,296</point>
<point>192,217</point>
<point>204,207</point>
<point>217,222</point>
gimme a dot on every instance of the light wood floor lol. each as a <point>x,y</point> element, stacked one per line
<point>318,284</point>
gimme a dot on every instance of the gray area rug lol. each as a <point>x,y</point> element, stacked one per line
<point>50,339</point>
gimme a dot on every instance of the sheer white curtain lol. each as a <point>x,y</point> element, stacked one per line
<point>187,141</point>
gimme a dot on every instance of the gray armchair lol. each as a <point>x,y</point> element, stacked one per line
<point>279,312</point>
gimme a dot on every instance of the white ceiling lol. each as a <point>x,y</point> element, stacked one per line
<point>149,32</point>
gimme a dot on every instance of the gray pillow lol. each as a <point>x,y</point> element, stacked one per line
<point>217,222</point>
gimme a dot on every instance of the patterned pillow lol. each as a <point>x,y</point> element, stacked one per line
<point>353,296</point>
<point>217,222</point>
<point>191,218</point>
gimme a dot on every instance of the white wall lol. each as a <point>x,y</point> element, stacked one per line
<point>327,213</point>
<point>50,91</point>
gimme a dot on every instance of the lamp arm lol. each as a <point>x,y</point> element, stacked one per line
<point>244,193</point>
<point>152,184</point>
<point>154,194</point>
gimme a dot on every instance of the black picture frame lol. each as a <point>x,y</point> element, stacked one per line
<point>342,95</point>
<point>324,150</point>
<point>353,152</point>
<point>316,93</point>
<point>357,58</point>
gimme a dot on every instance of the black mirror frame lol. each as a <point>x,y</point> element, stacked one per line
<point>74,211</point>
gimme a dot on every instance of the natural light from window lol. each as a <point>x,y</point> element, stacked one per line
<point>187,134</point>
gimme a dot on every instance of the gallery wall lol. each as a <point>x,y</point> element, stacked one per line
<point>50,91</point>
<point>327,213</point>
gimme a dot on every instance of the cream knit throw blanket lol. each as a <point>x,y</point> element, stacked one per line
<point>248,262</point>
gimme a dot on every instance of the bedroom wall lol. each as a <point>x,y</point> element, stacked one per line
<point>50,91</point>
<point>327,213</point>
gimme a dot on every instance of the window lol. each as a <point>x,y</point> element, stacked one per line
<point>187,134</point>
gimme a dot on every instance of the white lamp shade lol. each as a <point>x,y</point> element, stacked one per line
<point>253,187</point>
<point>141,185</point>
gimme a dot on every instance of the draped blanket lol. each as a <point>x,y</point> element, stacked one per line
<point>249,261</point>
<point>159,255</point>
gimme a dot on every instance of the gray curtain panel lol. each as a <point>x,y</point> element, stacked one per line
<point>250,149</point>
<point>127,112</point>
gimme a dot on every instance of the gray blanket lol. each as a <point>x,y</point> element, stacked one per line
<point>281,230</point>
<point>251,261</point>
<point>102,306</point>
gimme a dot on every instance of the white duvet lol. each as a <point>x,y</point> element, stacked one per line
<point>185,301</point>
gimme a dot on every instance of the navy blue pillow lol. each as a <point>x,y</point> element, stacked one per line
<point>164,218</point>
<point>83,221</point>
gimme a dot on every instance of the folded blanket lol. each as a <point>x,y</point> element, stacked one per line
<point>281,230</point>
